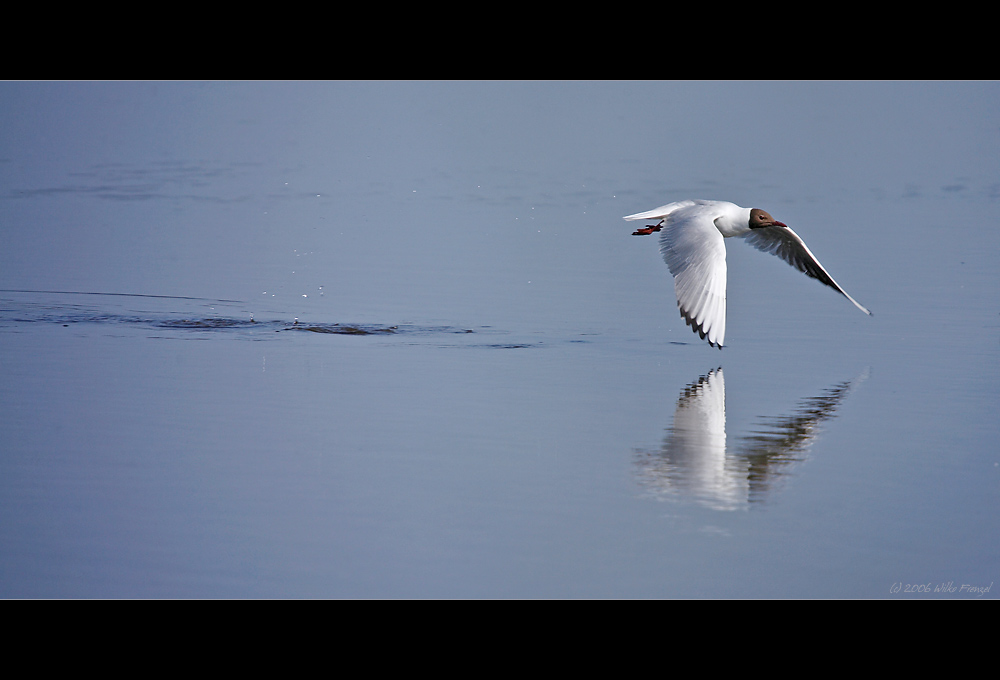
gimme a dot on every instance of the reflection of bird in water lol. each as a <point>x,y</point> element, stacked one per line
<point>695,460</point>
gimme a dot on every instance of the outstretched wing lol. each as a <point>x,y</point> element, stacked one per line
<point>787,245</point>
<point>695,252</point>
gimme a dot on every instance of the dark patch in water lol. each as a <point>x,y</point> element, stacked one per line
<point>343,329</point>
<point>43,309</point>
<point>203,324</point>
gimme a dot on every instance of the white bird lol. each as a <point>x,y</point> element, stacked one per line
<point>692,244</point>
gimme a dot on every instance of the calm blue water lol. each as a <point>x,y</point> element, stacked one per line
<point>394,340</point>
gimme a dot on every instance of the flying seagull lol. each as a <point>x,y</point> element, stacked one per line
<point>691,242</point>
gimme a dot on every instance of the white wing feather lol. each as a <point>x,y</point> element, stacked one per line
<point>695,252</point>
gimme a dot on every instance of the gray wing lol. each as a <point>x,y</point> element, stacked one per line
<point>787,245</point>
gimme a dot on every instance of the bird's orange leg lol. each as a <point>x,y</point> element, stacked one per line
<point>645,231</point>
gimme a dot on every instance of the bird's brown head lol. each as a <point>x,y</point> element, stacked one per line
<point>761,218</point>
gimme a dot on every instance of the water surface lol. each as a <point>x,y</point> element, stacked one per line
<point>394,340</point>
